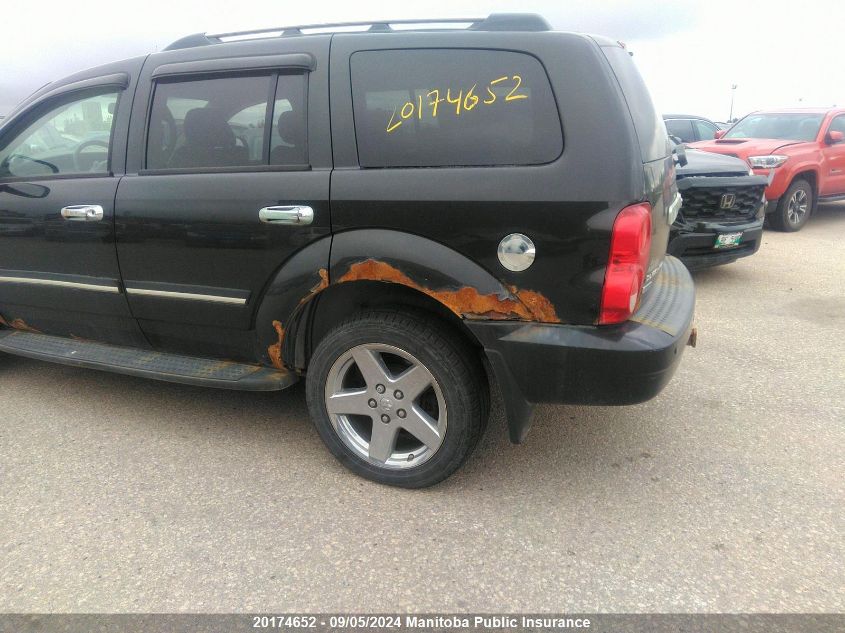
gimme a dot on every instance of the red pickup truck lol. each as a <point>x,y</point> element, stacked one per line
<point>801,151</point>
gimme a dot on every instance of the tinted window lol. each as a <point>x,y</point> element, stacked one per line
<point>288,139</point>
<point>651,132</point>
<point>837,125</point>
<point>706,131</point>
<point>680,128</point>
<point>222,122</point>
<point>433,108</point>
<point>73,137</point>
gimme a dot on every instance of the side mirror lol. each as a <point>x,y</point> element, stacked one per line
<point>834,136</point>
<point>680,155</point>
<point>719,133</point>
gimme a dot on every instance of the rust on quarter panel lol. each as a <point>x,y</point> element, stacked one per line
<point>466,302</point>
<point>321,285</point>
<point>275,350</point>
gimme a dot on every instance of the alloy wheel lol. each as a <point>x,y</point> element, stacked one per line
<point>797,207</point>
<point>386,406</point>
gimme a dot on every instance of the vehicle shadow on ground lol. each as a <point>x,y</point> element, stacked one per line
<point>579,437</point>
<point>829,214</point>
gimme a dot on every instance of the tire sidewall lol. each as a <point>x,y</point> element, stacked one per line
<point>783,208</point>
<point>458,442</point>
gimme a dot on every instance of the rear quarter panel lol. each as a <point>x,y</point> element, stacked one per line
<point>566,207</point>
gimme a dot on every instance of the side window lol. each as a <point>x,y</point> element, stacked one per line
<point>837,125</point>
<point>223,122</point>
<point>288,141</point>
<point>73,137</point>
<point>436,108</point>
<point>680,128</point>
<point>706,131</point>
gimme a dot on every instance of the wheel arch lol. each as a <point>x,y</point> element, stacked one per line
<point>381,268</point>
<point>811,175</point>
<point>453,286</point>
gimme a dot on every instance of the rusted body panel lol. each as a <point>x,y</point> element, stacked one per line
<point>301,278</point>
<point>460,285</point>
<point>466,302</point>
<point>440,272</point>
<point>274,351</point>
<point>18,324</point>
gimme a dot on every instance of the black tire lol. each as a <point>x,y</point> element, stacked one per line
<point>785,218</point>
<point>452,362</point>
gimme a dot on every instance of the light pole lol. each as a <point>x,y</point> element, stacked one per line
<point>733,92</point>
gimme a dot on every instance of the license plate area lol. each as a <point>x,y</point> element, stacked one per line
<point>728,240</point>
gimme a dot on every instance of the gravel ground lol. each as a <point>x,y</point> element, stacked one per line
<point>725,493</point>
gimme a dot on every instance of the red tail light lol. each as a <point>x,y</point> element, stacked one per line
<point>630,245</point>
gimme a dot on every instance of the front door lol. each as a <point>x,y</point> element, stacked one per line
<point>230,185</point>
<point>58,265</point>
<point>833,160</point>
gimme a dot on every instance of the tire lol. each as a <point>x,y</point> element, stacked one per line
<point>359,370</point>
<point>794,207</point>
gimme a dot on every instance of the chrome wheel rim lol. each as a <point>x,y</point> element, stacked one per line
<point>797,207</point>
<point>386,406</point>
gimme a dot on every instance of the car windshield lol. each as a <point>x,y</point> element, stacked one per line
<point>793,126</point>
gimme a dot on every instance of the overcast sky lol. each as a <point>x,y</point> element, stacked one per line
<point>689,51</point>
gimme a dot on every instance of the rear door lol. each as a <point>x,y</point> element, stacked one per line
<point>61,160</point>
<point>229,177</point>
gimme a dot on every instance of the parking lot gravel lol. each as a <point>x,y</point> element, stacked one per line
<point>725,493</point>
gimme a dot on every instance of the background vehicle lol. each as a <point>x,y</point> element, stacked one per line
<point>690,128</point>
<point>464,232</point>
<point>721,217</point>
<point>803,153</point>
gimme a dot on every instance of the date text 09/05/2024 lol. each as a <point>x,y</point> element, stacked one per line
<point>419,622</point>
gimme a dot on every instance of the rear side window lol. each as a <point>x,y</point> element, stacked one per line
<point>228,122</point>
<point>438,108</point>
<point>681,128</point>
<point>651,133</point>
<point>706,131</point>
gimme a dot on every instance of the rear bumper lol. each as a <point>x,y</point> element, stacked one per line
<point>595,365</point>
<point>694,243</point>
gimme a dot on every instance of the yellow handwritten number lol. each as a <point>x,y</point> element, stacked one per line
<point>471,100</point>
<point>513,97</point>
<point>457,101</point>
<point>392,126</point>
<point>437,100</point>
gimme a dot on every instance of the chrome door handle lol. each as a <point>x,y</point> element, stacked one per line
<point>287,215</point>
<point>83,212</point>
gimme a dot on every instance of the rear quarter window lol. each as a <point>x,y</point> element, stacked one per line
<point>651,132</point>
<point>453,107</point>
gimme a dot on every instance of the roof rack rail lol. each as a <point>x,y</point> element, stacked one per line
<point>494,22</point>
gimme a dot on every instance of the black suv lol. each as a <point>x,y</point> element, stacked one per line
<point>399,216</point>
<point>723,210</point>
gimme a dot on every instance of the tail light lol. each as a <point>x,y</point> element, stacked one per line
<point>630,244</point>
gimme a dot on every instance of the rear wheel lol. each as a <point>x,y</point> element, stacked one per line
<point>794,207</point>
<point>397,397</point>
